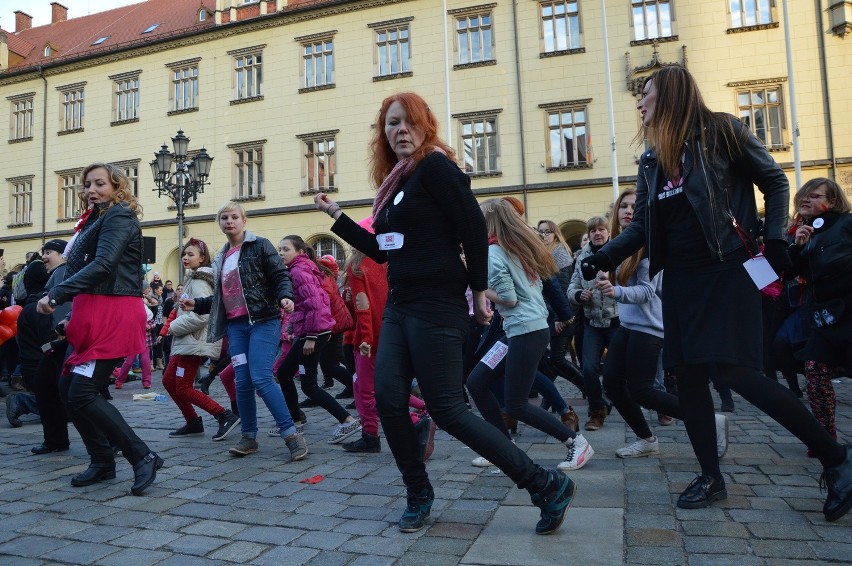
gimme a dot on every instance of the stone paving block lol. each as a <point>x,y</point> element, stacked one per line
<point>839,533</point>
<point>441,545</point>
<point>455,530</point>
<point>654,555</point>
<point>783,549</point>
<point>58,528</point>
<point>714,528</point>
<point>134,556</point>
<point>473,505</point>
<point>239,552</point>
<point>195,544</point>
<point>371,513</point>
<point>322,540</point>
<point>706,514</point>
<point>715,545</point>
<point>647,521</point>
<point>723,560</point>
<point>832,551</point>
<point>379,546</point>
<point>201,510</point>
<point>306,495</point>
<point>774,516</point>
<point>369,500</point>
<point>80,553</point>
<point>269,535</point>
<point>315,522</point>
<point>415,558</point>
<point>776,503</point>
<point>652,537</point>
<point>286,556</point>
<point>31,546</point>
<point>804,503</point>
<point>362,526</point>
<point>782,532</point>
<point>372,561</point>
<point>459,516</point>
<point>224,529</point>
<point>127,519</point>
<point>320,508</point>
<point>146,538</point>
<point>188,560</point>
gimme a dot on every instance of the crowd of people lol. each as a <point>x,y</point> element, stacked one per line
<point>447,304</point>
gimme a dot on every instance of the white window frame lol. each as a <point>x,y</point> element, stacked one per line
<point>478,134</point>
<point>70,187</point>
<point>474,37</point>
<point>183,94</point>
<point>561,26</point>
<point>248,175</point>
<point>21,201</point>
<point>392,48</point>
<point>748,13</point>
<point>21,120</point>
<point>652,19</point>
<point>72,107</point>
<point>751,110</point>
<point>317,66</point>
<point>125,100</point>
<point>571,155</point>
<point>319,162</point>
<point>248,74</point>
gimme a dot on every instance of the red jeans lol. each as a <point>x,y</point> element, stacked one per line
<point>364,385</point>
<point>181,390</point>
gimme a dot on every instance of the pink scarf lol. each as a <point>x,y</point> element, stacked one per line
<point>392,182</point>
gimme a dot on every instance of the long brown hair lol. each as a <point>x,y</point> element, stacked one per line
<point>382,156</point>
<point>302,246</point>
<point>558,238</point>
<point>628,266</point>
<point>518,239</point>
<point>120,183</point>
<point>679,113</point>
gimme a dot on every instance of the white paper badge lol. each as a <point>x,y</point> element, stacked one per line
<point>495,355</point>
<point>398,198</point>
<point>818,223</point>
<point>301,370</point>
<point>86,370</point>
<point>238,360</point>
<point>760,271</point>
<point>180,372</point>
<point>390,241</point>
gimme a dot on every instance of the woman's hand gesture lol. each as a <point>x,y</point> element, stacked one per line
<point>325,204</point>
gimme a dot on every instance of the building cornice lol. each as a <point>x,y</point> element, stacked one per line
<point>758,82</point>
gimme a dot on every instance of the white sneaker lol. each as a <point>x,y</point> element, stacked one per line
<point>721,435</point>
<point>481,462</point>
<point>579,452</point>
<point>639,448</point>
<point>344,431</point>
<point>275,433</point>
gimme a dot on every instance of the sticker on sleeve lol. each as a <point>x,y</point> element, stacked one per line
<point>180,372</point>
<point>86,370</point>
<point>495,355</point>
<point>238,360</point>
<point>390,241</point>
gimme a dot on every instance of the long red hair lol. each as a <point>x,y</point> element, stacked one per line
<point>382,156</point>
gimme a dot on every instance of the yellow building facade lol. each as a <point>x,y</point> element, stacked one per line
<point>283,96</point>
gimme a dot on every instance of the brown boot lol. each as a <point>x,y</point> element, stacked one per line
<point>596,419</point>
<point>511,423</point>
<point>571,420</point>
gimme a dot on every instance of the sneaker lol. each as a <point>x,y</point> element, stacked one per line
<point>721,435</point>
<point>344,431</point>
<point>13,410</point>
<point>664,420</point>
<point>481,462</point>
<point>418,510</point>
<point>228,421</point>
<point>639,448</point>
<point>274,432</point>
<point>246,446</point>
<point>570,419</point>
<point>554,501</point>
<point>194,427</point>
<point>367,443</point>
<point>596,419</point>
<point>579,453</point>
<point>297,445</point>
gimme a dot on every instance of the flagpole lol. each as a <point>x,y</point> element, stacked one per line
<point>610,110</point>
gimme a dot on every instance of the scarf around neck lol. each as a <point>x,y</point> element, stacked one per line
<point>400,171</point>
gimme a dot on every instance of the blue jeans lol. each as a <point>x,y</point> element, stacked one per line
<point>595,340</point>
<point>258,343</point>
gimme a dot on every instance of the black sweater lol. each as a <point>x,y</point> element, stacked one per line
<point>437,216</point>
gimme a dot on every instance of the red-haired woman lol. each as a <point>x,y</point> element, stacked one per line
<point>424,215</point>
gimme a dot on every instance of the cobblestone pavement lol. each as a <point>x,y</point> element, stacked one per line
<point>207,507</point>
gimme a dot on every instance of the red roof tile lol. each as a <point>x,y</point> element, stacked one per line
<point>16,44</point>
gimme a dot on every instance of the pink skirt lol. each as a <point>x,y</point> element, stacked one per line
<point>105,327</point>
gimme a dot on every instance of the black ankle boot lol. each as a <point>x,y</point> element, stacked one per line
<point>206,382</point>
<point>367,443</point>
<point>96,472</point>
<point>144,471</point>
<point>703,491</point>
<point>194,427</point>
<point>839,482</point>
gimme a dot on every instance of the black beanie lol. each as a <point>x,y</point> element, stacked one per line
<point>35,277</point>
<point>55,245</point>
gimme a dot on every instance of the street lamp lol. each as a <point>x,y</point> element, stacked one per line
<point>183,182</point>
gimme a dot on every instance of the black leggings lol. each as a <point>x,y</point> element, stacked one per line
<point>329,362</point>
<point>628,377</point>
<point>310,387</point>
<point>767,395</point>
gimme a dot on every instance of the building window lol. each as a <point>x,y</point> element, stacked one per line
<point>318,63</point>
<point>70,187</point>
<point>474,38</point>
<point>393,50</point>
<point>73,108</point>
<point>652,19</point>
<point>150,28</point>
<point>325,245</point>
<point>21,123</point>
<point>746,13</point>
<point>319,162</point>
<point>131,169</point>
<point>126,100</point>
<point>21,206</point>
<point>568,141</point>
<point>762,110</point>
<point>478,138</point>
<point>184,91</point>
<point>248,74</point>
<point>560,25</point>
<point>248,170</point>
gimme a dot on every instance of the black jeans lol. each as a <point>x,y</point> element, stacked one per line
<point>100,424</point>
<point>310,387</point>
<point>329,362</point>
<point>595,341</point>
<point>517,372</point>
<point>409,346</point>
<point>54,415</point>
<point>628,377</point>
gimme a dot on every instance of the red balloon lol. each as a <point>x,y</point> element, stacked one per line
<point>9,315</point>
<point>5,333</point>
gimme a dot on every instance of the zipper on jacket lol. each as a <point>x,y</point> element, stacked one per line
<point>712,206</point>
<point>648,214</point>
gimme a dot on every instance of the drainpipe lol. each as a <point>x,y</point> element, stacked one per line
<point>446,68</point>
<point>520,108</point>
<point>43,157</point>
<point>797,162</point>
<point>826,98</point>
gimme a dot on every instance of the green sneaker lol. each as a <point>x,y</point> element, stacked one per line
<point>418,510</point>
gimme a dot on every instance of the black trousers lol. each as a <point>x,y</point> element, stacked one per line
<point>99,423</point>
<point>412,347</point>
<point>329,362</point>
<point>54,415</point>
<point>308,380</point>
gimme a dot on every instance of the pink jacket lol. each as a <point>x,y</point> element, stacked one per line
<point>312,315</point>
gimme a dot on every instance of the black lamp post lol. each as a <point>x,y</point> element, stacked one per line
<point>183,182</point>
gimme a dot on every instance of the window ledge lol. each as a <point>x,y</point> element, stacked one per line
<point>72,131</point>
<point>485,174</point>
<point>777,148</point>
<point>392,76</point>
<point>187,205</point>
<point>247,99</point>
<point>67,220</point>
<point>182,111</point>
<point>475,64</point>
<point>19,140</point>
<point>21,225</point>
<point>123,122</point>
<point>561,52</point>
<point>569,167</point>
<point>250,198</point>
<point>317,191</point>
<point>303,90</point>
<point>758,27</point>
<point>653,40</point>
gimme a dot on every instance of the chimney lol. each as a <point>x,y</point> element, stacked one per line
<point>59,13</point>
<point>23,21</point>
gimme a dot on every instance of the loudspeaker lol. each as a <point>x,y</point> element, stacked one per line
<point>149,249</point>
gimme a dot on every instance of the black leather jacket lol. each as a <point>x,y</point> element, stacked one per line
<point>106,258</point>
<point>265,283</point>
<point>719,191</point>
<point>826,260</point>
